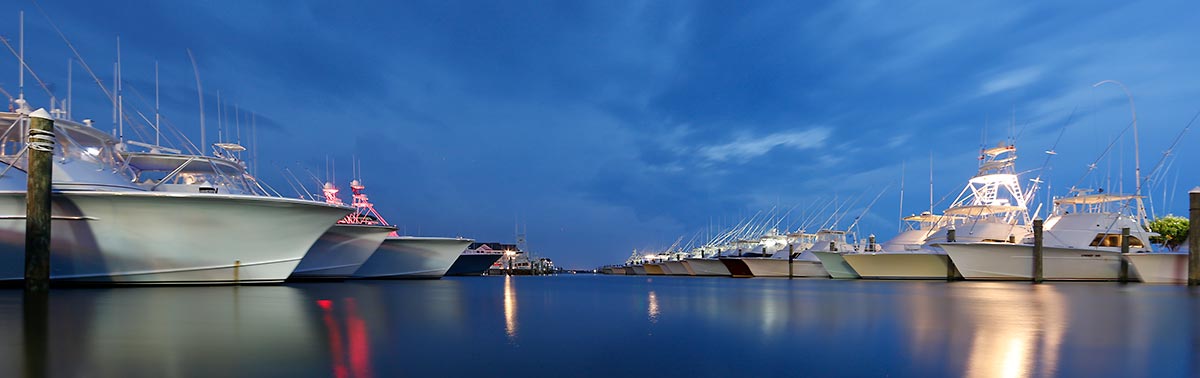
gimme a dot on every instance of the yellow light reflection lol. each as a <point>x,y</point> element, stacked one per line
<point>510,308</point>
<point>1015,330</point>
<point>652,309</point>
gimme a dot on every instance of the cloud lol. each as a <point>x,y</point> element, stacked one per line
<point>747,147</point>
<point>1010,80</point>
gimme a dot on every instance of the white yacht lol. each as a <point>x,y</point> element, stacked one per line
<point>992,207</point>
<point>195,224</point>
<point>828,249</point>
<point>705,262</point>
<point>404,256</point>
<point>344,247</point>
<point>793,246</point>
<point>1082,241</point>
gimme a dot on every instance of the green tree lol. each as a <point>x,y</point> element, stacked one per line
<point>1173,229</point>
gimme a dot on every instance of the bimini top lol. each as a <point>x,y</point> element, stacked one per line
<point>1092,199</point>
<point>927,217</point>
<point>145,161</point>
<point>980,210</point>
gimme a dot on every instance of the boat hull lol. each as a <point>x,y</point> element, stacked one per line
<point>639,270</point>
<point>159,238</point>
<point>708,267</point>
<point>472,264</point>
<point>687,266</point>
<point>654,269</point>
<point>676,268</point>
<point>340,251</point>
<point>412,257</point>
<point>766,267</point>
<point>836,266</point>
<point>1159,268</point>
<point>900,265</point>
<point>737,267</point>
<point>996,261</point>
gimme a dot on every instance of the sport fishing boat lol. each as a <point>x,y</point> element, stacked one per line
<point>344,247</point>
<point>404,257</point>
<point>117,219</point>
<point>786,247</point>
<point>1082,241</point>
<point>477,258</point>
<point>992,207</point>
<point>705,262</point>
<point>919,227</point>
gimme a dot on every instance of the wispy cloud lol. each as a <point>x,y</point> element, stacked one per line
<point>746,147</point>
<point>1010,80</point>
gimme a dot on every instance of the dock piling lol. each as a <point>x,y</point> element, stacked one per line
<point>37,201</point>
<point>791,256</point>
<point>1194,237</point>
<point>1037,251</point>
<point>1123,273</point>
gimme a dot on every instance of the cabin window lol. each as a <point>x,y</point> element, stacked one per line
<point>1114,240</point>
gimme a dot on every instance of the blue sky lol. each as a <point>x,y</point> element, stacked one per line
<point>603,126</point>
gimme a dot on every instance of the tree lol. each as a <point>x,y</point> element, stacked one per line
<point>1174,231</point>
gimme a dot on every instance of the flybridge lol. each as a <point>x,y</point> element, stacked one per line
<point>364,211</point>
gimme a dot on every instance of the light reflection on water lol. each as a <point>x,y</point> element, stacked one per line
<point>720,326</point>
<point>510,309</point>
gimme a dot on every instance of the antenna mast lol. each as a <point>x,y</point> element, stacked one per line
<point>157,138</point>
<point>200,96</point>
<point>120,100</point>
<point>21,48</point>
<point>900,221</point>
<point>70,79</point>
<point>1137,161</point>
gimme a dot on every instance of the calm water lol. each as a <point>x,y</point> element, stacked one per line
<point>613,326</point>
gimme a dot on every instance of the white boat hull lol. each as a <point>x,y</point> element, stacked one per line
<point>676,268</point>
<point>158,238</point>
<point>835,265</point>
<point>639,270</point>
<point>688,267</point>
<point>768,267</point>
<point>708,267</point>
<point>1159,268</point>
<point>341,250</point>
<point>899,265</point>
<point>1002,261</point>
<point>412,257</point>
<point>654,269</point>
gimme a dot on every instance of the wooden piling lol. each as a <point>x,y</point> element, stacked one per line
<point>951,237</point>
<point>1194,237</point>
<point>1123,273</point>
<point>791,256</point>
<point>37,201</point>
<point>1037,251</point>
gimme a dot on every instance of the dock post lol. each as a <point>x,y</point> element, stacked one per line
<point>791,256</point>
<point>951,237</point>
<point>1194,237</point>
<point>37,201</point>
<point>1037,251</point>
<point>1123,273</point>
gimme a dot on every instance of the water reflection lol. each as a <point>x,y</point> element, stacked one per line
<point>747,327</point>
<point>510,309</point>
<point>652,307</point>
<point>1017,333</point>
<point>354,347</point>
